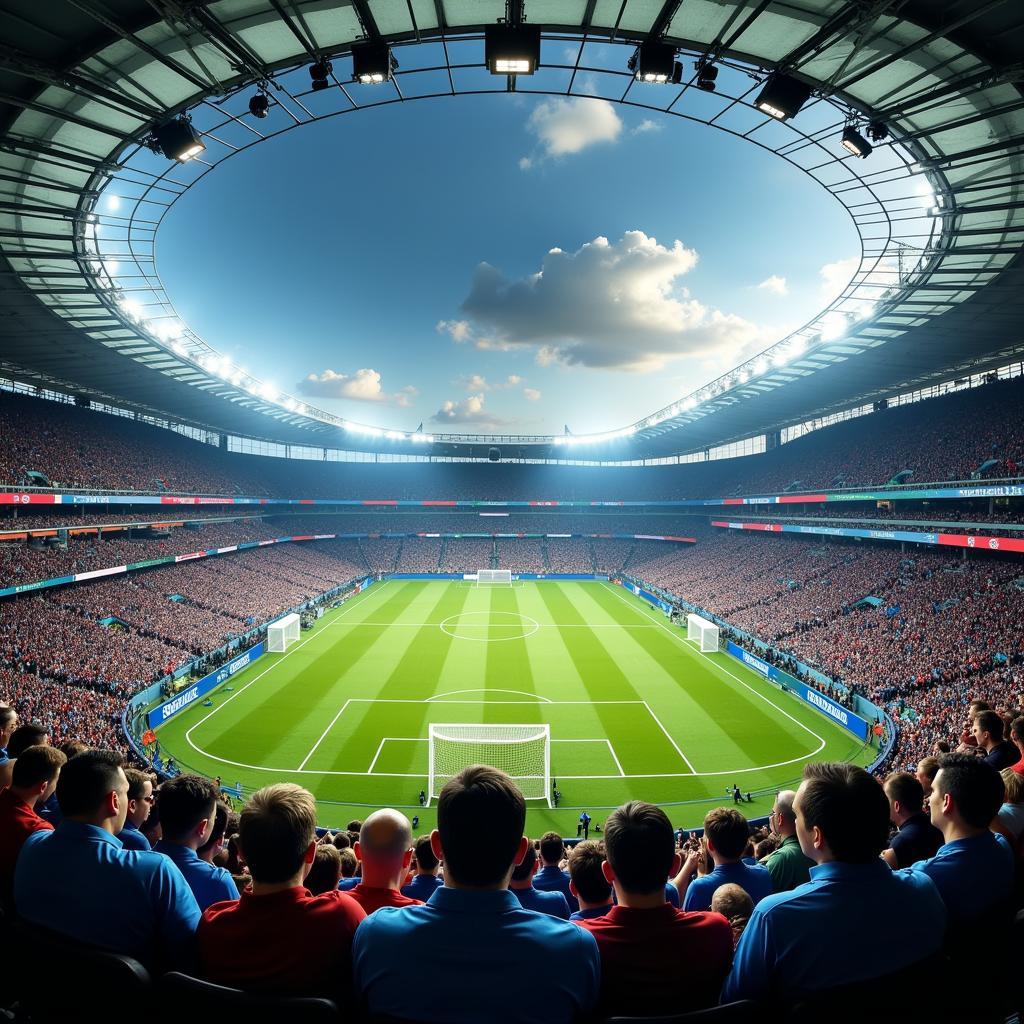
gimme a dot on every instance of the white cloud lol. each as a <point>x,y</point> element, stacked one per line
<point>531,394</point>
<point>835,276</point>
<point>513,380</point>
<point>645,126</point>
<point>458,329</point>
<point>362,386</point>
<point>774,284</point>
<point>566,126</point>
<point>477,383</point>
<point>468,410</point>
<point>880,276</point>
<point>609,306</point>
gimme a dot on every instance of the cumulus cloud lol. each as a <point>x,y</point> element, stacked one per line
<point>458,329</point>
<point>835,276</point>
<point>880,275</point>
<point>531,394</point>
<point>362,386</point>
<point>468,410</point>
<point>607,305</point>
<point>477,383</point>
<point>566,126</point>
<point>774,284</point>
<point>647,125</point>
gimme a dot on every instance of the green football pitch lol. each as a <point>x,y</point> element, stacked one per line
<point>635,710</point>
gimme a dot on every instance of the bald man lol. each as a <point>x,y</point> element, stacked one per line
<point>384,847</point>
<point>787,864</point>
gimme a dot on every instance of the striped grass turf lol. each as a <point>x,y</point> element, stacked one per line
<point>635,710</point>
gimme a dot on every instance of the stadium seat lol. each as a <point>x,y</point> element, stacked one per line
<point>49,975</point>
<point>181,994</point>
<point>742,1012</point>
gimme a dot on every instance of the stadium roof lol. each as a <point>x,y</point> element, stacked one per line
<point>939,205</point>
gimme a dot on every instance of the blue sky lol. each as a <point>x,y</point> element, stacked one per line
<point>384,265</point>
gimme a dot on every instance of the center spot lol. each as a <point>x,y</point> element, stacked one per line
<point>489,626</point>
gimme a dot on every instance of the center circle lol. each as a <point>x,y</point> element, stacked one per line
<point>489,627</point>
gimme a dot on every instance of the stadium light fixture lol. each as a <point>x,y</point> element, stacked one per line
<point>878,131</point>
<point>372,63</point>
<point>113,202</point>
<point>855,143</point>
<point>782,96</point>
<point>320,73</point>
<point>653,62</point>
<point>833,326</point>
<point>259,104</point>
<point>512,49</point>
<point>707,76</point>
<point>177,140</point>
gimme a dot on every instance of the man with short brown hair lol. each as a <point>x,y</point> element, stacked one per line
<point>551,877</point>
<point>140,803</point>
<point>278,937</point>
<point>425,881</point>
<point>587,881</point>
<point>989,730</point>
<point>726,832</point>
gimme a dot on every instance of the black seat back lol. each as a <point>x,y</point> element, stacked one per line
<point>181,994</point>
<point>742,1012</point>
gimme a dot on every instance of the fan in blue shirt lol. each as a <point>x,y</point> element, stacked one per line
<point>726,834</point>
<point>842,823</point>
<point>80,881</point>
<point>550,877</point>
<point>188,817</point>
<point>140,804</point>
<point>553,903</point>
<point>425,881</point>
<point>973,869</point>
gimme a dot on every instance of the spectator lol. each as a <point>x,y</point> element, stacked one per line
<point>521,884</point>
<point>425,881</point>
<point>401,954</point>
<point>587,881</point>
<point>735,905</point>
<point>80,881</point>
<point>140,803</point>
<point>842,822</point>
<point>787,864</point>
<point>1010,819</point>
<point>916,837</point>
<point>1017,739</point>
<point>349,867</point>
<point>726,832</point>
<point>551,877</point>
<point>188,808</point>
<point>384,849</point>
<point>278,937</point>
<point>8,723</point>
<point>28,735</point>
<point>927,769</point>
<point>655,959</point>
<point>973,870</point>
<point>211,849</point>
<point>34,780</point>
<point>989,729</point>
<point>325,873</point>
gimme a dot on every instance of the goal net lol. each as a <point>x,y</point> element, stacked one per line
<point>283,632</point>
<point>490,577</point>
<point>706,633</point>
<point>521,751</point>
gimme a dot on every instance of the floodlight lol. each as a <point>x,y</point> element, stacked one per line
<point>654,62</point>
<point>320,72</point>
<point>259,104</point>
<point>177,140</point>
<point>512,49</point>
<point>782,96</point>
<point>372,63</point>
<point>878,131</point>
<point>855,143</point>
<point>707,76</point>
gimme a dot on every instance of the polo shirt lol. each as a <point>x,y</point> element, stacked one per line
<point>787,865</point>
<point>551,903</point>
<point>452,958</point>
<point>132,839</point>
<point>348,884</point>
<point>209,883</point>
<point>80,881</point>
<point>289,942</point>
<point>756,882</point>
<point>421,887</point>
<point>917,839</point>
<point>660,960</point>
<point>371,898</point>
<point>590,912</point>
<point>782,953</point>
<point>17,822</point>
<point>973,875</point>
<point>551,878</point>
<point>672,895</point>
<point>1002,755</point>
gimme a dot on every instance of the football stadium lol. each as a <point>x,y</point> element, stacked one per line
<point>512,488</point>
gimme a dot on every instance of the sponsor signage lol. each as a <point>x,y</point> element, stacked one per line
<point>195,691</point>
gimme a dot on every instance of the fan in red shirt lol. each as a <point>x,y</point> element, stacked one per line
<point>279,937</point>
<point>385,849</point>
<point>654,959</point>
<point>33,780</point>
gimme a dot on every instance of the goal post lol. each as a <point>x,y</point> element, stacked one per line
<point>283,632</point>
<point>704,632</point>
<point>521,751</point>
<point>492,577</point>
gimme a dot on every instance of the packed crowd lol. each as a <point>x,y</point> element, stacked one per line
<point>646,920</point>
<point>948,438</point>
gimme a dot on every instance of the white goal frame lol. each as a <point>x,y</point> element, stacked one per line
<point>283,632</point>
<point>700,629</point>
<point>467,740</point>
<point>493,577</point>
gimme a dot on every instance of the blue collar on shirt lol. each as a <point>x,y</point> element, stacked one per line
<point>90,833</point>
<point>473,901</point>
<point>835,869</point>
<point>178,853</point>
